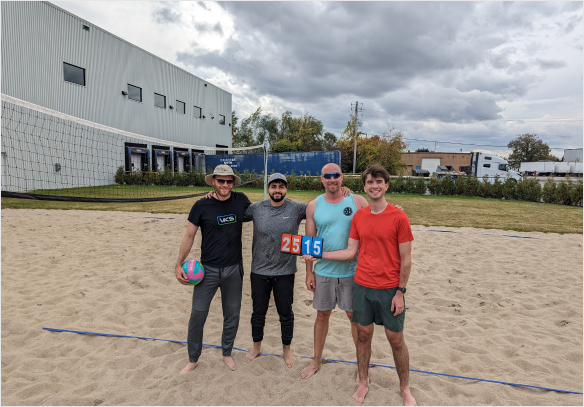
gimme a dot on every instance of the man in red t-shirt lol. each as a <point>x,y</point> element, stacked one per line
<point>383,237</point>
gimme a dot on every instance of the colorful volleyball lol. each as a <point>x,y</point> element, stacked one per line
<point>194,271</point>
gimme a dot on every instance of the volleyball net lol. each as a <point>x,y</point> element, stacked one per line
<point>53,156</point>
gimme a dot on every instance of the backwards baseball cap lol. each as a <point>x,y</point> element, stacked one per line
<point>222,170</point>
<point>277,177</point>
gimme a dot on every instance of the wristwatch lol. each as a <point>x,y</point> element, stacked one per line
<point>403,290</point>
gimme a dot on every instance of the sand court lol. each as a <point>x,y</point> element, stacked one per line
<point>490,304</point>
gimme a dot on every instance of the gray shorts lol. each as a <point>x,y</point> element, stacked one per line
<point>332,291</point>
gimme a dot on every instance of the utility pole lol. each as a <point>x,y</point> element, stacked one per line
<point>355,121</point>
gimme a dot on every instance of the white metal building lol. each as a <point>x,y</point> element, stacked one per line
<point>57,60</point>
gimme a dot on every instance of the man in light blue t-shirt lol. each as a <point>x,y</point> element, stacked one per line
<point>330,215</point>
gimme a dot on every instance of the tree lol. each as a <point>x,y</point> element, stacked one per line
<point>385,150</point>
<point>285,134</point>
<point>245,136</point>
<point>329,141</point>
<point>422,150</point>
<point>528,148</point>
<point>234,120</point>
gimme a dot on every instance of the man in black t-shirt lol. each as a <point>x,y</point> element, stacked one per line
<point>220,220</point>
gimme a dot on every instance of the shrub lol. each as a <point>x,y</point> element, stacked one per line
<point>510,189</point>
<point>471,185</point>
<point>356,184</point>
<point>497,188</point>
<point>409,186</point>
<point>151,178</point>
<point>549,191</point>
<point>165,178</point>
<point>434,186</point>
<point>460,185</point>
<point>529,189</point>
<point>576,193</point>
<point>119,175</point>
<point>484,189</point>
<point>420,186</point>
<point>137,178</point>
<point>398,184</point>
<point>447,186</point>
<point>183,179</point>
<point>563,192</point>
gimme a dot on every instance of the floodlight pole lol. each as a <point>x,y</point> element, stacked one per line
<point>266,148</point>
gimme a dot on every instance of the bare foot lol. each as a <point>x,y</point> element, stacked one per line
<point>311,369</point>
<point>229,362</point>
<point>361,392</point>
<point>289,357</point>
<point>409,400</point>
<point>188,368</point>
<point>252,354</point>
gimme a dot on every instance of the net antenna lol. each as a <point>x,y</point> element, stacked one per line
<point>50,155</point>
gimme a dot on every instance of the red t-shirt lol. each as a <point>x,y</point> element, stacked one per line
<point>379,237</point>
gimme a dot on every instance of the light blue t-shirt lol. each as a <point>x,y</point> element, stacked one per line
<point>333,225</point>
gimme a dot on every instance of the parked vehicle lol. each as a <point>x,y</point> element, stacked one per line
<point>546,168</point>
<point>562,169</point>
<point>537,168</point>
<point>482,164</point>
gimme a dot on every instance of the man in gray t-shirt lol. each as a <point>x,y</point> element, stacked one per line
<point>270,269</point>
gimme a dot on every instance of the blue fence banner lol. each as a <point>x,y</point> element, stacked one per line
<point>304,163</point>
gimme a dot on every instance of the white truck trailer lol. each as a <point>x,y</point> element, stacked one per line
<point>537,168</point>
<point>492,166</point>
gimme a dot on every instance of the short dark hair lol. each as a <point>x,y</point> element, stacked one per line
<point>376,171</point>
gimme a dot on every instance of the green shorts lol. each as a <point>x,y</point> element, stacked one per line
<point>372,305</point>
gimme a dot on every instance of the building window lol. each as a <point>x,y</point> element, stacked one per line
<point>197,113</point>
<point>220,152</point>
<point>221,119</point>
<point>73,74</point>
<point>180,107</point>
<point>134,93</point>
<point>160,100</point>
<point>487,165</point>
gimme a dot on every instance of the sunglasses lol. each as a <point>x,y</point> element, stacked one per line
<point>224,181</point>
<point>331,175</point>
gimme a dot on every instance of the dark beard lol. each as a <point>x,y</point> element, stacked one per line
<point>279,199</point>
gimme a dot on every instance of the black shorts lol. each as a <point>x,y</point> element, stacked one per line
<point>372,305</point>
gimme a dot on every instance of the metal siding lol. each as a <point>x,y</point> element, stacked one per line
<point>37,37</point>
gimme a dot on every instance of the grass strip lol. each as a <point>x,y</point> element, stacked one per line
<point>427,210</point>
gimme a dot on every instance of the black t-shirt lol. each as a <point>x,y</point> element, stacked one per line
<point>221,225</point>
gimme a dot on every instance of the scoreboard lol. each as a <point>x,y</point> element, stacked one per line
<point>299,245</point>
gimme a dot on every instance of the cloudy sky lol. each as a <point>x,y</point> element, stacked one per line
<point>458,72</point>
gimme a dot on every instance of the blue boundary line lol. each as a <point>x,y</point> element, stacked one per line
<point>308,357</point>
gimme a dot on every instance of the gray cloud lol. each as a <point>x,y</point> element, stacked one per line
<point>433,66</point>
<point>165,14</point>
<point>550,63</point>
<point>206,27</point>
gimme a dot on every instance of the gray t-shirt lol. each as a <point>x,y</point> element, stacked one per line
<point>269,223</point>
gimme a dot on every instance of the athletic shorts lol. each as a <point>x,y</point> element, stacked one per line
<point>372,305</point>
<point>332,291</point>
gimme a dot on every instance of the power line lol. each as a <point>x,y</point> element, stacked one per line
<point>554,120</point>
<point>468,144</point>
